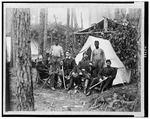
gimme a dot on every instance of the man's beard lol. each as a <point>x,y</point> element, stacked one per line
<point>108,65</point>
<point>97,47</point>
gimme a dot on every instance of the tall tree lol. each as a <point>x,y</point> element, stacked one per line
<point>21,37</point>
<point>72,16</point>
<point>43,33</point>
<point>75,18</point>
<point>45,29</point>
<point>68,22</point>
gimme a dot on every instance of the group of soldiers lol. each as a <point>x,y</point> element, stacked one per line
<point>89,74</point>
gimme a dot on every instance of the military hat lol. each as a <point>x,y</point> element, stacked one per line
<point>108,60</point>
<point>68,51</point>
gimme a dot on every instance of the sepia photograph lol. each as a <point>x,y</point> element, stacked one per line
<point>73,59</point>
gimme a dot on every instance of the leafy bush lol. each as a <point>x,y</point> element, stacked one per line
<point>124,40</point>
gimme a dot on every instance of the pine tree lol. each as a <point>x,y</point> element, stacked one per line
<point>21,38</point>
<point>68,22</point>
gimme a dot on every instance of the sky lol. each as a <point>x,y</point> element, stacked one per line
<point>60,11</point>
<point>61,15</point>
<point>97,12</point>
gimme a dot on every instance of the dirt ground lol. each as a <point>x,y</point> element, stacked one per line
<point>48,100</point>
<point>61,100</point>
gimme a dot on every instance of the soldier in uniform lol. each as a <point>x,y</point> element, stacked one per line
<point>56,56</point>
<point>107,74</point>
<point>42,69</point>
<point>68,65</point>
<point>85,69</point>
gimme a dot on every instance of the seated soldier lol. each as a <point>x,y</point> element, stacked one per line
<point>44,72</point>
<point>42,69</point>
<point>85,69</point>
<point>74,79</point>
<point>68,65</point>
<point>106,76</point>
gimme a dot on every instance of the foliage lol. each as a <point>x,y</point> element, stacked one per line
<point>123,37</point>
<point>119,98</point>
<point>56,31</point>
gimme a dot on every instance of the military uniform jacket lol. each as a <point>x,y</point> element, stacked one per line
<point>84,64</point>
<point>41,67</point>
<point>69,64</point>
<point>108,72</point>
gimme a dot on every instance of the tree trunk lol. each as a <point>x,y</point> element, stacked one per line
<point>13,54</point>
<point>72,17</point>
<point>67,34</point>
<point>43,33</point>
<point>21,34</point>
<point>45,30</point>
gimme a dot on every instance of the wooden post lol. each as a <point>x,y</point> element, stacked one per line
<point>81,21</point>
<point>105,24</point>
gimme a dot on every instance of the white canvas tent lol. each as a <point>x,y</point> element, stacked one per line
<point>123,75</point>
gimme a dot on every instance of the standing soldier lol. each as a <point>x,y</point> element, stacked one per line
<point>56,54</point>
<point>98,58</point>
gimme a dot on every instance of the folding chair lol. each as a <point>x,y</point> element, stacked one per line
<point>44,81</point>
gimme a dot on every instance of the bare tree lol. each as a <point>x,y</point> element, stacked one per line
<point>75,18</point>
<point>72,17</point>
<point>21,38</point>
<point>68,22</point>
<point>43,33</point>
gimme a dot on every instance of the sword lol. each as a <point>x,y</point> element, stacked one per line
<point>63,77</point>
<point>97,84</point>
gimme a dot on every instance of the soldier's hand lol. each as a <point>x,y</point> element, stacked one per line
<point>105,77</point>
<point>90,64</point>
<point>80,73</point>
<point>100,79</point>
<point>74,74</point>
<point>68,77</point>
